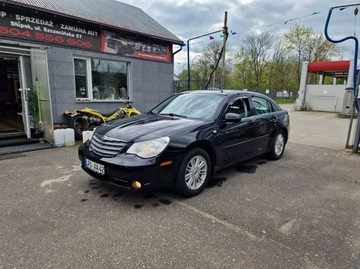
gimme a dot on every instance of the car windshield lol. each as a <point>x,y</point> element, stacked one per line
<point>198,106</point>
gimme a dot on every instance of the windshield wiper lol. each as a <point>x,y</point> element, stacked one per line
<point>173,115</point>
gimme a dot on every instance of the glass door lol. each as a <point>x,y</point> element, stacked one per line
<point>40,78</point>
<point>25,82</point>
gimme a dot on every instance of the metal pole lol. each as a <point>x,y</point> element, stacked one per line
<point>188,52</point>
<point>225,33</point>
<point>357,131</point>
<point>356,41</point>
<point>188,64</point>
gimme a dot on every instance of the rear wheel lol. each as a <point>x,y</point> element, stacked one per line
<point>194,172</point>
<point>277,147</point>
<point>79,124</point>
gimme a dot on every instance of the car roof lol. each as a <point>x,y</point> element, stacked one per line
<point>227,92</point>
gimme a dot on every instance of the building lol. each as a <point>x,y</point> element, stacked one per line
<point>74,54</point>
<point>343,99</point>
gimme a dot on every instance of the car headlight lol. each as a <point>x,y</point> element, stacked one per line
<point>150,148</point>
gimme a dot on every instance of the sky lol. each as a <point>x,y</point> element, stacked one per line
<point>192,18</point>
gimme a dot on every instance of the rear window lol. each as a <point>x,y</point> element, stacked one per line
<point>262,105</point>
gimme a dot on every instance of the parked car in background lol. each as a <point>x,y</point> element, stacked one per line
<point>185,139</point>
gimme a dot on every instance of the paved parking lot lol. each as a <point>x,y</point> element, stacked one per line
<point>320,129</point>
<point>302,211</point>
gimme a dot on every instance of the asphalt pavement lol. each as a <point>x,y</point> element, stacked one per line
<point>302,211</point>
<point>321,129</point>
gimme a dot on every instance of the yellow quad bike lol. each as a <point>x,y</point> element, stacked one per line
<point>87,118</point>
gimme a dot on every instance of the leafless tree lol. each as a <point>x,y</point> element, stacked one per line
<point>258,46</point>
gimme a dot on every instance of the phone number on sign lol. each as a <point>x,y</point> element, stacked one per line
<point>45,37</point>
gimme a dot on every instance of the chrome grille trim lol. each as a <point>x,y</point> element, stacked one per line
<point>106,146</point>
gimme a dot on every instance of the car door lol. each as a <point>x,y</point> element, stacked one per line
<point>235,138</point>
<point>265,122</point>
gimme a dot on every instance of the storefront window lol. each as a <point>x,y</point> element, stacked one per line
<point>81,78</point>
<point>106,79</point>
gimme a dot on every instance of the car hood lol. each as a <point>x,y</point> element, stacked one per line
<point>147,126</point>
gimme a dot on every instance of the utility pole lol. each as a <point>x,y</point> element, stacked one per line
<point>225,36</point>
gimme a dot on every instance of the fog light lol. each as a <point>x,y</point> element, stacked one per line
<point>136,184</point>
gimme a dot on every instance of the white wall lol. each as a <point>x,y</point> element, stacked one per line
<point>327,98</point>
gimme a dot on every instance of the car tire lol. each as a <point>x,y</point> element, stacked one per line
<point>194,173</point>
<point>79,124</point>
<point>277,146</point>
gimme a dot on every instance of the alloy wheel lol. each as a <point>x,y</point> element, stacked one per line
<point>196,172</point>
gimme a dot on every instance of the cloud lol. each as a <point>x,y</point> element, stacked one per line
<point>191,18</point>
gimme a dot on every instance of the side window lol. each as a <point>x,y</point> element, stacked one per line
<point>261,105</point>
<point>240,106</point>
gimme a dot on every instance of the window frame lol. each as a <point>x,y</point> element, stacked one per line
<point>89,78</point>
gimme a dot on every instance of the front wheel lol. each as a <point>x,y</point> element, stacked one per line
<point>194,172</point>
<point>277,147</point>
<point>79,124</point>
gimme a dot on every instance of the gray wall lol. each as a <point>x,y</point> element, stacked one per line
<point>324,97</point>
<point>149,82</point>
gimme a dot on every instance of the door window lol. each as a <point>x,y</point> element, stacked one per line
<point>240,106</point>
<point>261,105</point>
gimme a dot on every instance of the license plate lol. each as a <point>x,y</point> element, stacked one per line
<point>93,166</point>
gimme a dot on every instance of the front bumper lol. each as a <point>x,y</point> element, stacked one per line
<point>123,169</point>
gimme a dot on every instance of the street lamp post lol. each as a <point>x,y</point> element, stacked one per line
<point>188,52</point>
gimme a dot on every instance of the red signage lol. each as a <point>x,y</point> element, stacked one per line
<point>14,24</point>
<point>45,30</point>
<point>118,44</point>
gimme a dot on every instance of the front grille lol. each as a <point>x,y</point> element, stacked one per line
<point>106,146</point>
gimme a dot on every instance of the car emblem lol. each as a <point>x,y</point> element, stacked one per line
<point>104,137</point>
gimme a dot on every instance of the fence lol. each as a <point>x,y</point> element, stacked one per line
<point>182,85</point>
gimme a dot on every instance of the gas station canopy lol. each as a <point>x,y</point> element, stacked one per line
<point>338,69</point>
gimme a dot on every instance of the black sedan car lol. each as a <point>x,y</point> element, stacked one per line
<point>185,139</point>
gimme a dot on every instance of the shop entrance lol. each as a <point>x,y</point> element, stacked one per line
<point>10,96</point>
<point>24,92</point>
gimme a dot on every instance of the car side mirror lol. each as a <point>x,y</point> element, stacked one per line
<point>232,117</point>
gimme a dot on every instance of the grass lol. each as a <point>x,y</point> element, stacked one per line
<point>284,100</point>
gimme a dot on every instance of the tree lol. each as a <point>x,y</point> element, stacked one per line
<point>203,65</point>
<point>308,45</point>
<point>297,39</point>
<point>282,70</point>
<point>212,54</point>
<point>260,64</point>
<point>257,48</point>
<point>320,49</point>
<point>242,75</point>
